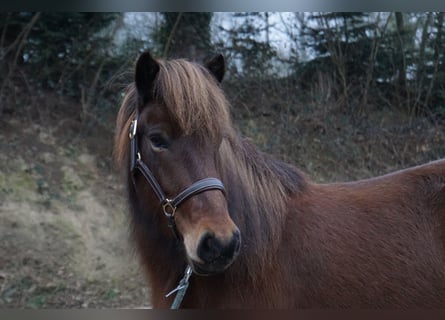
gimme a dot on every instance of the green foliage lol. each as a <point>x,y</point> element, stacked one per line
<point>66,50</point>
<point>72,54</point>
<point>432,70</point>
<point>343,28</point>
<point>394,59</point>
<point>342,42</point>
<point>184,34</point>
<point>359,59</point>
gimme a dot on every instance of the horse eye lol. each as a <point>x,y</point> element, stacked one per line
<point>158,142</point>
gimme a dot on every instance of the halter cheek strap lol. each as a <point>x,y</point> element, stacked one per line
<point>169,206</point>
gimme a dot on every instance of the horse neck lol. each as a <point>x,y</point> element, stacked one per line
<point>258,188</point>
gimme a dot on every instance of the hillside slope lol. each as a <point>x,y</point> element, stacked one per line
<point>63,229</point>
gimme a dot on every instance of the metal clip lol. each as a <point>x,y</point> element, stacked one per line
<point>183,284</point>
<point>178,288</point>
<point>133,128</point>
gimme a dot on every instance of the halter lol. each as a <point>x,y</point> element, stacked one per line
<point>169,206</point>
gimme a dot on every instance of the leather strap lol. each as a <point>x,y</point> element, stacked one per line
<point>148,175</point>
<point>198,187</point>
<point>169,206</point>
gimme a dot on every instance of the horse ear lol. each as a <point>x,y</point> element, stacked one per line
<point>217,67</point>
<point>146,70</point>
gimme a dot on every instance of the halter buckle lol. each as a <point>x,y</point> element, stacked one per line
<point>168,208</point>
<point>133,128</point>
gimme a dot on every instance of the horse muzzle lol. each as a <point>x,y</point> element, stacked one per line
<point>216,254</point>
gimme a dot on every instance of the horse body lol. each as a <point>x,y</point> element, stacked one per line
<point>375,243</point>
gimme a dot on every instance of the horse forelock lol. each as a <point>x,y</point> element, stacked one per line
<point>193,98</point>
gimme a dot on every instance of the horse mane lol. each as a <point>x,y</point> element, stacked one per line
<point>257,185</point>
<point>258,188</point>
<point>121,150</point>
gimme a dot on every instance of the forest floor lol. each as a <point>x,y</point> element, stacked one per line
<point>64,240</point>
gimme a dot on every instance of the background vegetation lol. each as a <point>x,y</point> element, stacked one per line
<point>341,95</point>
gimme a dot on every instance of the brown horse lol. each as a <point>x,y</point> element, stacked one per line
<point>257,232</point>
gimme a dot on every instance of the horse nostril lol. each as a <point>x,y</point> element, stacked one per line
<point>211,248</point>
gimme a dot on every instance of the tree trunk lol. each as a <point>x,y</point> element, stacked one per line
<point>436,58</point>
<point>420,74</point>
<point>401,85</point>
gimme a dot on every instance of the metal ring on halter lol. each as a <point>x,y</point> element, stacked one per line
<point>168,208</point>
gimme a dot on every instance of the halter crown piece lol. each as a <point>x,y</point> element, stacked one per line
<point>169,206</point>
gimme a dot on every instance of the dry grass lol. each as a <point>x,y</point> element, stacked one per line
<point>329,143</point>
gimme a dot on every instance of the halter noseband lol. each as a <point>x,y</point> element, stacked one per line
<point>169,206</point>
